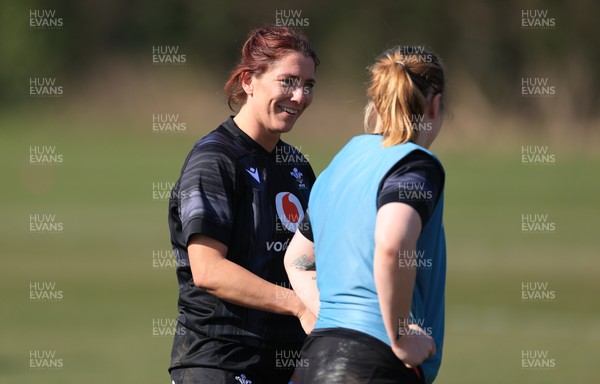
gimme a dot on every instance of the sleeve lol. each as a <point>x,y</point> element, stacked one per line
<point>207,194</point>
<point>416,180</point>
<point>306,229</point>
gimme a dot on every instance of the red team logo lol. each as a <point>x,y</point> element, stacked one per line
<point>289,210</point>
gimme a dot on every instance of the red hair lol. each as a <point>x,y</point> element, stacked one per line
<point>264,47</point>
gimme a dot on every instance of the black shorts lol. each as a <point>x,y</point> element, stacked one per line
<point>199,359</point>
<point>344,356</point>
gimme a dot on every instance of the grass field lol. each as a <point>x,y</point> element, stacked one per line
<point>116,303</point>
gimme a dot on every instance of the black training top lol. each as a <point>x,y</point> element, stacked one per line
<point>232,190</point>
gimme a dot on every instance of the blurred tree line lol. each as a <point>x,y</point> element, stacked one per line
<point>483,40</point>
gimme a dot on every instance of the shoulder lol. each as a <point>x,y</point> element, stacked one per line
<point>423,159</point>
<point>214,154</point>
<point>219,146</point>
<point>418,164</point>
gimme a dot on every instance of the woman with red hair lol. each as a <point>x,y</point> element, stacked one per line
<point>240,197</point>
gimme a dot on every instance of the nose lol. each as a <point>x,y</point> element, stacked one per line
<point>298,95</point>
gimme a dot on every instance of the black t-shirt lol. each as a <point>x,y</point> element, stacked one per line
<point>416,180</point>
<point>232,190</point>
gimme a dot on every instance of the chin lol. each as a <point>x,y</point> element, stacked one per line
<point>283,127</point>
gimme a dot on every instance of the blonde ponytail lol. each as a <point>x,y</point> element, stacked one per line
<point>401,80</point>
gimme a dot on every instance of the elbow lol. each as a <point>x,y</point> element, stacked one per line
<point>387,253</point>
<point>199,283</point>
<point>202,280</point>
<point>287,265</point>
<point>393,251</point>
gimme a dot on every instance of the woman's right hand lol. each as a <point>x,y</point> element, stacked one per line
<point>414,347</point>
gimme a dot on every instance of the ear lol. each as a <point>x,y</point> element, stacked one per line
<point>435,106</point>
<point>248,83</point>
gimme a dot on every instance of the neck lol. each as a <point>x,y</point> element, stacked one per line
<point>423,141</point>
<point>257,132</point>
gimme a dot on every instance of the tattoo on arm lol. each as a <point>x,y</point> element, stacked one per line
<point>303,263</point>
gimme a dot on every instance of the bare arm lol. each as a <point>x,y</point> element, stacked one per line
<point>299,263</point>
<point>397,229</point>
<point>230,282</point>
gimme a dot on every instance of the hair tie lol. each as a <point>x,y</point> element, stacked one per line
<point>401,63</point>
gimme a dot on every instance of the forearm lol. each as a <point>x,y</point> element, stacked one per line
<point>213,272</point>
<point>395,289</point>
<point>237,285</point>
<point>300,266</point>
<point>397,230</point>
<point>305,286</point>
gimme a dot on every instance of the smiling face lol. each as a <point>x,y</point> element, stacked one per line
<point>277,98</point>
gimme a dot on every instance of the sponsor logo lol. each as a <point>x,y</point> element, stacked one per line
<point>289,210</point>
<point>299,176</point>
<point>254,173</point>
<point>277,246</point>
<point>243,380</point>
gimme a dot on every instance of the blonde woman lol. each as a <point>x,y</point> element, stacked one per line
<point>370,257</point>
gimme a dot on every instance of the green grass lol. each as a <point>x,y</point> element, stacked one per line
<point>102,261</point>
